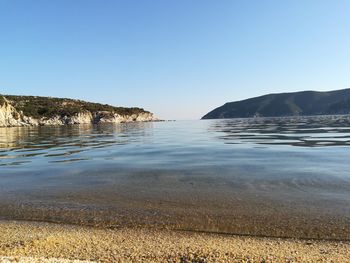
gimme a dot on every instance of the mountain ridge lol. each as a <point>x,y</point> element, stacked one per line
<point>299,103</point>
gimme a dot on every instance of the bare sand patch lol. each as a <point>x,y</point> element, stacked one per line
<point>50,242</point>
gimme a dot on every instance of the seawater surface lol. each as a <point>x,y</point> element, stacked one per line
<point>287,177</point>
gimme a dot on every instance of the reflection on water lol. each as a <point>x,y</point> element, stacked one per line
<point>20,145</point>
<point>316,131</point>
<point>264,176</point>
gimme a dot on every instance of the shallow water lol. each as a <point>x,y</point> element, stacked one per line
<point>266,176</point>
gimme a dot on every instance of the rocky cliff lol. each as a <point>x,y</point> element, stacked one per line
<point>34,111</point>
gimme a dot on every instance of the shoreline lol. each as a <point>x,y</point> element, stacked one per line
<point>61,242</point>
<point>165,228</point>
<point>205,218</point>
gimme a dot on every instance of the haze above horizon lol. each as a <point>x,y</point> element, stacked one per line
<point>178,59</point>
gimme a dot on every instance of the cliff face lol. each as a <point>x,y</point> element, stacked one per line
<point>286,104</point>
<point>11,116</point>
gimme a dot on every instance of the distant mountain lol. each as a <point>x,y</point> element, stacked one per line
<point>286,104</point>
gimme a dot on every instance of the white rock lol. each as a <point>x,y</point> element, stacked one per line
<point>10,117</point>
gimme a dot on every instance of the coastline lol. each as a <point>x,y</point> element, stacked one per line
<point>48,242</point>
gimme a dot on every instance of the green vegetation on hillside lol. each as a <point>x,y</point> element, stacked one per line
<point>342,106</point>
<point>2,100</point>
<point>38,107</point>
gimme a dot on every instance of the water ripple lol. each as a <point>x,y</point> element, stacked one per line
<point>180,140</point>
<point>319,131</point>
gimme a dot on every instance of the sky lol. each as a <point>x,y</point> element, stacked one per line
<point>177,58</point>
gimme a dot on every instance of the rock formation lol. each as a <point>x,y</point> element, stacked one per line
<point>11,114</point>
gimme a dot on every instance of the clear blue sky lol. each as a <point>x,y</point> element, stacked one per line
<point>178,58</point>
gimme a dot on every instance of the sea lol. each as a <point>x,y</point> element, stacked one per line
<point>281,177</point>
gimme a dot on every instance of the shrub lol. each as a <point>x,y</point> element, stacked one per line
<point>38,107</point>
<point>2,100</point>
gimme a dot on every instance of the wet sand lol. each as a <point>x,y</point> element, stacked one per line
<point>47,242</point>
<point>175,206</point>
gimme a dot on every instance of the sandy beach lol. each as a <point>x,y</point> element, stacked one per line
<point>44,242</point>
